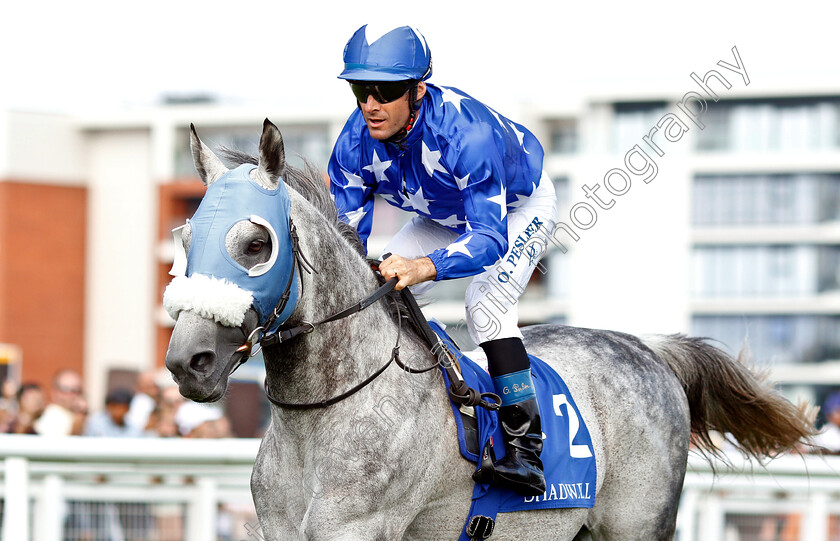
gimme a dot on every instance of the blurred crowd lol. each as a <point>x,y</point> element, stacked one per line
<point>154,408</point>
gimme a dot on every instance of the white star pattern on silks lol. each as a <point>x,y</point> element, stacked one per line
<point>378,167</point>
<point>431,160</point>
<point>450,96</point>
<point>452,221</point>
<point>459,247</point>
<point>521,136</point>
<point>520,200</point>
<point>461,182</point>
<point>355,216</point>
<point>417,201</point>
<point>353,181</point>
<point>498,118</point>
<point>393,199</point>
<point>500,200</point>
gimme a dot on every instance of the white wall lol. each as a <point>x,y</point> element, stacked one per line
<point>41,148</point>
<point>122,221</point>
<point>4,142</point>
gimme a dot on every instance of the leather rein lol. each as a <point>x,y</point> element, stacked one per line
<point>459,392</point>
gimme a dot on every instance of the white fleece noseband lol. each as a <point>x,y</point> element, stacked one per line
<point>211,298</point>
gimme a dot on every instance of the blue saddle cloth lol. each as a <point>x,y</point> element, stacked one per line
<point>568,461</point>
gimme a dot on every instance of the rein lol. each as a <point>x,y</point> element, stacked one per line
<point>395,355</point>
<point>459,391</point>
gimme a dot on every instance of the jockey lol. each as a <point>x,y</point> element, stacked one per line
<point>483,204</point>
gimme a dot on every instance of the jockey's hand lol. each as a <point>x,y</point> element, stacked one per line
<point>409,271</point>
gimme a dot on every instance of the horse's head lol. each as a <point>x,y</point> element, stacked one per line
<point>236,272</point>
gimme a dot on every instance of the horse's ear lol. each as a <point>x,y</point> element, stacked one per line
<point>272,154</point>
<point>210,168</point>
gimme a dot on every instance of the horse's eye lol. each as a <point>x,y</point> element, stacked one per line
<point>256,246</point>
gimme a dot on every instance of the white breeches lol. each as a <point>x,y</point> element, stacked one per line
<point>491,298</point>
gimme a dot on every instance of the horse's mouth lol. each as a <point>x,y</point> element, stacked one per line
<point>197,391</point>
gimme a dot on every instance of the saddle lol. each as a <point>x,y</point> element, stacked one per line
<point>567,456</point>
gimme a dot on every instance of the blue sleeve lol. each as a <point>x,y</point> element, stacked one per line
<point>479,171</point>
<point>353,197</point>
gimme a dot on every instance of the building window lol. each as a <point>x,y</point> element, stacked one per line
<point>763,271</point>
<point>771,124</point>
<point>727,200</point>
<point>774,339</point>
<point>563,190</point>
<point>634,121</point>
<point>563,136</point>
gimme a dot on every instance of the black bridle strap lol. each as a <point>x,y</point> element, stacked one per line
<point>459,391</point>
<point>283,335</point>
<point>395,356</point>
<point>299,261</point>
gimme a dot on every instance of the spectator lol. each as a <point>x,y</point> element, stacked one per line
<point>31,403</point>
<point>161,425</point>
<point>162,420</point>
<point>8,404</point>
<point>62,413</point>
<point>144,401</point>
<point>192,414</point>
<point>214,428</point>
<point>112,421</point>
<point>829,437</point>
<point>80,413</point>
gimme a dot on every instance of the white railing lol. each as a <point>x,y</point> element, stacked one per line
<point>41,475</point>
<point>195,476</point>
<point>800,495</point>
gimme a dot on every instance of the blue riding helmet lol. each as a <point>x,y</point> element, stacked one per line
<point>397,55</point>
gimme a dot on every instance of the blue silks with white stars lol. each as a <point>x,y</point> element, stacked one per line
<point>462,165</point>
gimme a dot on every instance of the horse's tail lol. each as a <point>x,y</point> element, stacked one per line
<point>724,395</point>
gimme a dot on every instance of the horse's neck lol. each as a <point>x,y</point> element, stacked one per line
<point>338,355</point>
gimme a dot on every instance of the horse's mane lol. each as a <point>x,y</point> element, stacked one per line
<point>309,183</point>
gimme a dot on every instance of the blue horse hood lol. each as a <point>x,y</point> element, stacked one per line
<point>231,199</point>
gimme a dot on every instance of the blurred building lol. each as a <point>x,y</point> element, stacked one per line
<point>717,218</point>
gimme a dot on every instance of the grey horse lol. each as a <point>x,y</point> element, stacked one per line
<point>384,463</point>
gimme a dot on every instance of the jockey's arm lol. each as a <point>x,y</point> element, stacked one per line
<point>409,271</point>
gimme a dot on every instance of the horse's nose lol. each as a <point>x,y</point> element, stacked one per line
<point>184,362</point>
<point>189,358</point>
<point>202,363</point>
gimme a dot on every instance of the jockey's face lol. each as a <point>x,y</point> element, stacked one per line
<point>386,119</point>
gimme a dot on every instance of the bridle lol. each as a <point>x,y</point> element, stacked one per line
<point>264,335</point>
<point>280,335</point>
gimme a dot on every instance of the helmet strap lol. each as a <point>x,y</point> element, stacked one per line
<point>413,105</point>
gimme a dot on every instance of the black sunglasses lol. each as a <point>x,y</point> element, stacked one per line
<point>381,92</point>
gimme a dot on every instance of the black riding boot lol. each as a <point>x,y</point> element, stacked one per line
<point>521,469</point>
